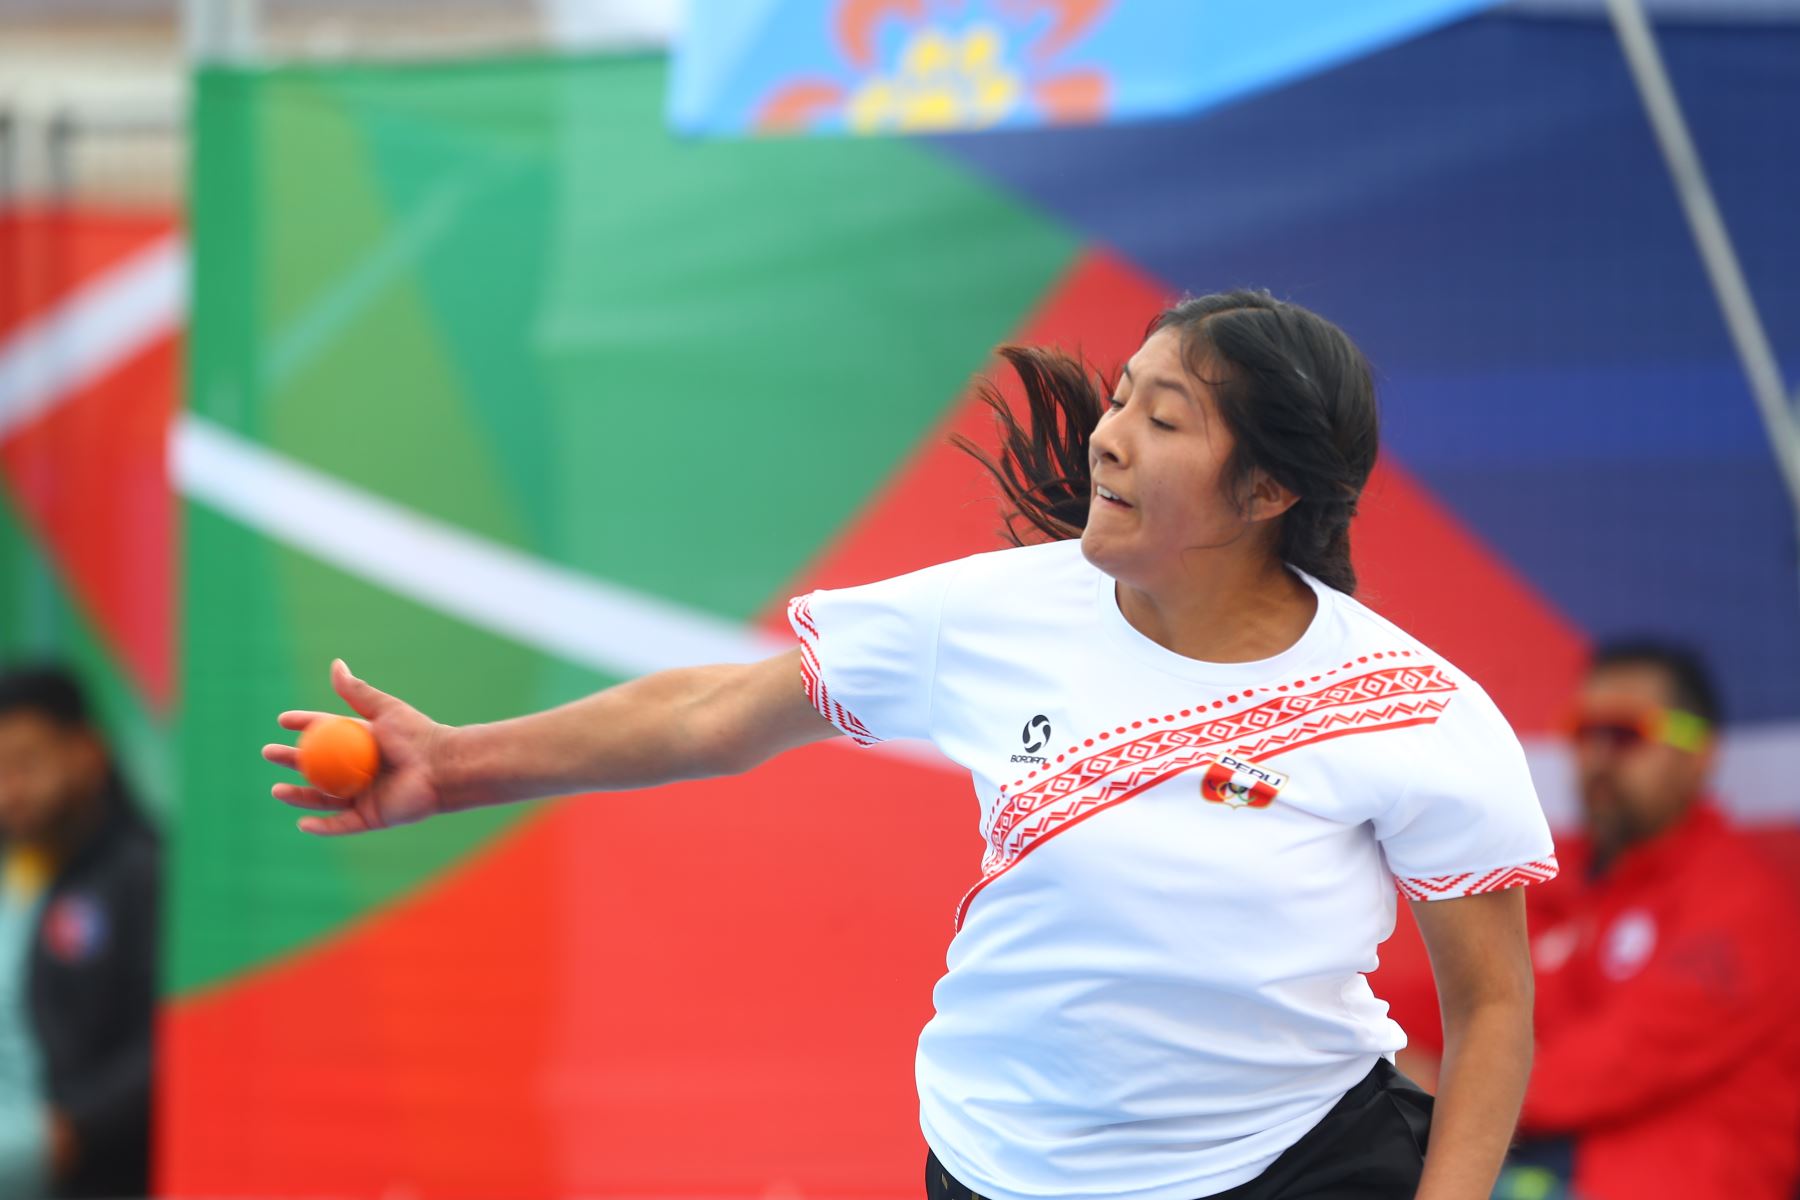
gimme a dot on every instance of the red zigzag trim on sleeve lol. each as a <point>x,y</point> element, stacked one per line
<point>1476,883</point>
<point>800,616</point>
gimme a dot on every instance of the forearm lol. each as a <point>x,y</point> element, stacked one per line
<point>661,728</point>
<point>1481,1083</point>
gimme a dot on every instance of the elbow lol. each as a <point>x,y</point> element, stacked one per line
<point>1503,1012</point>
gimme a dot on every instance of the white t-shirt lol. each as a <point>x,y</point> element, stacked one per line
<point>1157,984</point>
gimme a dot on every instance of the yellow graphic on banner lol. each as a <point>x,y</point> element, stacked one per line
<point>928,66</point>
<point>942,81</point>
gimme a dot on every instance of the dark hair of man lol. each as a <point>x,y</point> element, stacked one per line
<point>1690,683</point>
<point>50,691</point>
<point>1295,392</point>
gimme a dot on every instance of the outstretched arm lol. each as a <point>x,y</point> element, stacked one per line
<point>690,723</point>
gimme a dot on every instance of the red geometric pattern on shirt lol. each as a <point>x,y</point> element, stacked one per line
<point>1347,706</point>
<point>1476,883</point>
<point>800,615</point>
<point>1332,724</point>
<point>1280,722</point>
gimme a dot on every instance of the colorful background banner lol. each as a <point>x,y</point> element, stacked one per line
<point>503,393</point>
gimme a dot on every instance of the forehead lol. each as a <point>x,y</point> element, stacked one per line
<point>1160,356</point>
<point>1629,685</point>
<point>23,731</point>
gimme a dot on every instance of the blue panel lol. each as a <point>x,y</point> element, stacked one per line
<point>1486,211</point>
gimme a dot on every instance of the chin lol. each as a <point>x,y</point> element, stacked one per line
<point>1093,548</point>
<point>1106,554</point>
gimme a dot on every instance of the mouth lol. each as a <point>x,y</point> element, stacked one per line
<point>1110,496</point>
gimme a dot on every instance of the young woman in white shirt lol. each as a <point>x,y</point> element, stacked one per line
<point>1203,771</point>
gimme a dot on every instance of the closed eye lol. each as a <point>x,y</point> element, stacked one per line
<point>1114,404</point>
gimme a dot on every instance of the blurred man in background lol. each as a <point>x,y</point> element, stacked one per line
<point>1668,1062</point>
<point>78,918</point>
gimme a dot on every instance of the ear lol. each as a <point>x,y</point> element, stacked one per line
<point>1267,498</point>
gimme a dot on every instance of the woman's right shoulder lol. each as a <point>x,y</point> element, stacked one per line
<point>1022,570</point>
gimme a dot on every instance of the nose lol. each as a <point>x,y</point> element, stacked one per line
<point>1107,443</point>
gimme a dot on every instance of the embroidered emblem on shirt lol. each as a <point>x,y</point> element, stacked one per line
<point>1238,783</point>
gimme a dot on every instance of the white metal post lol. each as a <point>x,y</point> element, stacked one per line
<point>1741,318</point>
<point>224,32</point>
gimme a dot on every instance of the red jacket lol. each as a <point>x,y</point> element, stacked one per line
<point>1667,1042</point>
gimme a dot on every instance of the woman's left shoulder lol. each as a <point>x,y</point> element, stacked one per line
<point>1463,707</point>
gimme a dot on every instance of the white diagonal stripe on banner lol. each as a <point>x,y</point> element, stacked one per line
<point>104,323</point>
<point>530,600</point>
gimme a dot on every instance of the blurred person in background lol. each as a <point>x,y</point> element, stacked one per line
<point>1668,1061</point>
<point>78,924</point>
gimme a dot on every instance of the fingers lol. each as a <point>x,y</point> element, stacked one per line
<point>306,797</point>
<point>301,718</point>
<point>349,821</point>
<point>366,700</point>
<point>282,755</point>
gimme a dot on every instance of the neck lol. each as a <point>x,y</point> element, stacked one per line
<point>1233,610</point>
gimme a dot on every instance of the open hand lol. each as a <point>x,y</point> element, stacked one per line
<point>406,787</point>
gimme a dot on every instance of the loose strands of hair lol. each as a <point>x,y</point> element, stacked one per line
<point>1042,468</point>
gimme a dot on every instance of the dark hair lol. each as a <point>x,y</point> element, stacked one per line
<point>50,691</point>
<point>1294,390</point>
<point>1690,682</point>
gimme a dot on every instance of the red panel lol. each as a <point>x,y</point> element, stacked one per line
<point>91,476</point>
<point>719,984</point>
<point>45,254</point>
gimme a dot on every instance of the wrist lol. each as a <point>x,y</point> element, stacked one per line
<point>448,763</point>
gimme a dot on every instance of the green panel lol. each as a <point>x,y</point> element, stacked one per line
<point>40,619</point>
<point>525,308</point>
<point>502,296</point>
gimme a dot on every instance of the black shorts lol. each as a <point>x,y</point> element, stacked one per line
<point>1370,1146</point>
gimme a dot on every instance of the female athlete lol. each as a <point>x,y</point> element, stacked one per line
<point>1227,768</point>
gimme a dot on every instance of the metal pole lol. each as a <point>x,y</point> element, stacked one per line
<point>225,32</point>
<point>59,156</point>
<point>1741,318</point>
<point>8,175</point>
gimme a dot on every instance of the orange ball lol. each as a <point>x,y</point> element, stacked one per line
<point>338,756</point>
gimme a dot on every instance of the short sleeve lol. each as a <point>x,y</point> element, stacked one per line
<point>1469,820</point>
<point>868,654</point>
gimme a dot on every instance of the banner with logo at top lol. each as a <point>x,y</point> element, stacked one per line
<point>925,66</point>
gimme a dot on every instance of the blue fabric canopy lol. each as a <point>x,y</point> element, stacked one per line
<point>879,66</point>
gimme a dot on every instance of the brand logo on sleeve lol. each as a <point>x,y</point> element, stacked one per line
<point>1035,738</point>
<point>1238,783</point>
